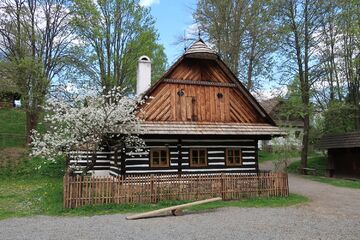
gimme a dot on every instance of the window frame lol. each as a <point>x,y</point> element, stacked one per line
<point>227,162</point>
<point>191,158</point>
<point>159,150</point>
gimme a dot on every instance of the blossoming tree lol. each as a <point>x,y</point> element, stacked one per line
<point>88,124</point>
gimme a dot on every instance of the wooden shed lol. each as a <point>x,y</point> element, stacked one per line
<point>198,118</point>
<point>343,153</point>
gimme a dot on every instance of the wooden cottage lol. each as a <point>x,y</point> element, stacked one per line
<point>293,125</point>
<point>198,118</point>
<point>343,152</point>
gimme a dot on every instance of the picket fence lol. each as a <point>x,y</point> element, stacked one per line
<point>85,190</point>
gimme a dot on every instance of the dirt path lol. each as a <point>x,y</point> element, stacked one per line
<point>325,198</point>
<point>269,165</point>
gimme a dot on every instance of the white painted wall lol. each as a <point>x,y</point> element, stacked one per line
<point>143,76</point>
<point>101,173</point>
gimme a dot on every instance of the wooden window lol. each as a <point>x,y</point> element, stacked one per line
<point>233,157</point>
<point>198,157</point>
<point>159,157</point>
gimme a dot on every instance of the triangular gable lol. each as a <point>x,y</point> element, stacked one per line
<point>199,87</point>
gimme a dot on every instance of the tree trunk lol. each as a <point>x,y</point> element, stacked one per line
<point>305,91</point>
<point>249,84</point>
<point>305,143</point>
<point>31,122</point>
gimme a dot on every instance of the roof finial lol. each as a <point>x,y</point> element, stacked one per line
<point>199,33</point>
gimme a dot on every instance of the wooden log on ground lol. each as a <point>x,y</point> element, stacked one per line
<point>177,207</point>
<point>177,212</point>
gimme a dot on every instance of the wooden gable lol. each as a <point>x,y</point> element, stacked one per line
<point>199,88</point>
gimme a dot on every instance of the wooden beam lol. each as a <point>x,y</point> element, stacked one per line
<point>202,83</point>
<point>257,156</point>
<point>163,210</point>
<point>179,156</point>
<point>123,160</point>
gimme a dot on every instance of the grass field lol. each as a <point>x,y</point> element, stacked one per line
<point>337,182</point>
<point>320,163</point>
<point>273,156</point>
<point>34,187</point>
<point>20,197</point>
<point>316,162</point>
<point>12,128</point>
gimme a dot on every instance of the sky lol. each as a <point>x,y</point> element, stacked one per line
<point>173,19</point>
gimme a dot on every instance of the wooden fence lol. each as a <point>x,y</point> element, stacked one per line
<point>81,190</point>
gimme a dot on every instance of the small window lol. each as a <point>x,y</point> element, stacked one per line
<point>233,157</point>
<point>198,157</point>
<point>159,158</point>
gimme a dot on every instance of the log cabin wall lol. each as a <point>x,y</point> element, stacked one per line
<point>198,90</point>
<point>139,162</point>
<point>80,159</point>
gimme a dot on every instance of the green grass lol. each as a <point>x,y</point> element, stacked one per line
<point>259,202</point>
<point>12,121</point>
<point>34,187</point>
<point>273,156</point>
<point>29,196</point>
<point>12,128</point>
<point>337,182</point>
<point>316,162</point>
<point>20,197</point>
<point>320,164</point>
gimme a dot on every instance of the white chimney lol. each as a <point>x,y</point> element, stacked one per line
<point>143,77</point>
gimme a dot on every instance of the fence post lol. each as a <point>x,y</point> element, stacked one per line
<point>223,195</point>
<point>152,197</point>
<point>65,191</point>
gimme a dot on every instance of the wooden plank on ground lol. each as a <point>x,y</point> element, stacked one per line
<point>155,212</point>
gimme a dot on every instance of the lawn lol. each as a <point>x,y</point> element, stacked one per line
<point>20,197</point>
<point>320,163</point>
<point>12,128</point>
<point>316,162</point>
<point>273,156</point>
<point>337,182</point>
<point>34,187</point>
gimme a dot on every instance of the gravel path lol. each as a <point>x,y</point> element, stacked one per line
<point>333,213</point>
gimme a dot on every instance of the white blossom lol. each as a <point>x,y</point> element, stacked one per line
<point>86,122</point>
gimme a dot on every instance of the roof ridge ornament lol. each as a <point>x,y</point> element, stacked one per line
<point>199,46</point>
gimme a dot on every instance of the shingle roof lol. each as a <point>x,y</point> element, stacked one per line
<point>203,128</point>
<point>199,47</point>
<point>270,104</point>
<point>346,140</point>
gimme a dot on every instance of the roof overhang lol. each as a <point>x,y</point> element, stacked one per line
<point>335,141</point>
<point>207,128</point>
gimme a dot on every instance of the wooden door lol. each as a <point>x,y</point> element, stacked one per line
<point>191,108</point>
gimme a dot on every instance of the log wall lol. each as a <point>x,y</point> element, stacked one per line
<point>139,162</point>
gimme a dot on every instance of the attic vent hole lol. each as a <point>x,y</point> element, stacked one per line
<point>220,95</point>
<point>181,93</point>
